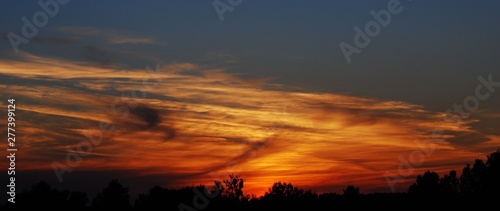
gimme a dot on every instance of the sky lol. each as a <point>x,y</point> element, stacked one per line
<point>177,93</point>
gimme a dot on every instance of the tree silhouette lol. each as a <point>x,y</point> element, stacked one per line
<point>166,199</point>
<point>284,195</point>
<point>156,198</point>
<point>428,184</point>
<point>114,196</point>
<point>284,190</point>
<point>467,181</point>
<point>472,179</point>
<point>44,196</point>
<point>493,173</point>
<point>351,191</point>
<point>231,188</point>
<point>77,199</point>
<point>449,184</point>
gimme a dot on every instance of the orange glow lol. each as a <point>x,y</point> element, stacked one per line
<point>223,125</point>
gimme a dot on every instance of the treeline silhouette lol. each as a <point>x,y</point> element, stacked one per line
<point>478,185</point>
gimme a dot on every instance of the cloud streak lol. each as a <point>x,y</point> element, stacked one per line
<point>111,36</point>
<point>196,122</point>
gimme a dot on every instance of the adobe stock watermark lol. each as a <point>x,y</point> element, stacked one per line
<point>372,29</point>
<point>459,112</point>
<point>95,137</point>
<point>39,20</point>
<point>221,7</point>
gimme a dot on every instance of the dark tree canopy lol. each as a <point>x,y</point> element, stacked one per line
<point>351,191</point>
<point>231,188</point>
<point>113,196</point>
<point>449,184</point>
<point>41,195</point>
<point>426,184</point>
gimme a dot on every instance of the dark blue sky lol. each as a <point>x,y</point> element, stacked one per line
<point>430,53</point>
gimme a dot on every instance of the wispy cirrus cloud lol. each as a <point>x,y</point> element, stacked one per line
<point>112,36</point>
<point>197,121</point>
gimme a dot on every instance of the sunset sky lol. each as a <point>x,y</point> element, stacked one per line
<point>266,93</point>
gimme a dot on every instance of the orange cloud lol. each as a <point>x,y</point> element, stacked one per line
<point>222,125</point>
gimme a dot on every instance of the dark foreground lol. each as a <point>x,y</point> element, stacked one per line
<point>477,187</point>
